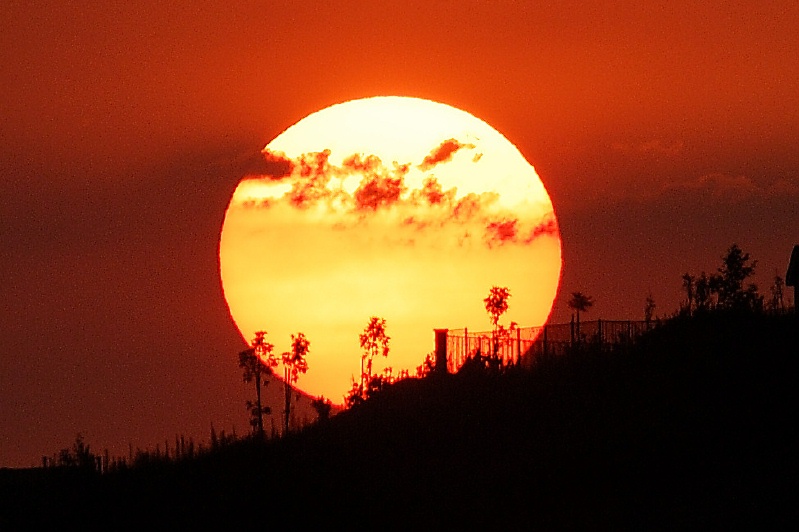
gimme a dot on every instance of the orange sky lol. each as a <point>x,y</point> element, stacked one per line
<point>663,132</point>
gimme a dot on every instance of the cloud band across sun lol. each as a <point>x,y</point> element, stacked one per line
<point>362,188</point>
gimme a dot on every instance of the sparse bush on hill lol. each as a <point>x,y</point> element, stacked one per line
<point>726,289</point>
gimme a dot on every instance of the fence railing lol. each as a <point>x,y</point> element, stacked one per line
<point>524,345</point>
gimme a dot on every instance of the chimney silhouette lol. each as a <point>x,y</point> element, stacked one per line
<point>441,350</point>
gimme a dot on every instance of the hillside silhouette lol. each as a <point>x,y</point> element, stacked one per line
<point>691,427</point>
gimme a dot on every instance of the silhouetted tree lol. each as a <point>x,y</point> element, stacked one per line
<point>79,456</point>
<point>356,394</point>
<point>734,271</point>
<point>649,309</point>
<point>323,407</point>
<point>689,285</point>
<point>777,301</point>
<point>378,382</point>
<point>580,303</point>
<point>496,304</point>
<point>258,362</point>
<point>294,364</point>
<point>725,289</point>
<point>374,341</point>
<point>706,286</point>
<point>427,366</point>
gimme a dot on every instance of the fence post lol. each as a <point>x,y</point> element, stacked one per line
<point>519,347</point>
<point>465,344</point>
<point>571,330</point>
<point>599,332</point>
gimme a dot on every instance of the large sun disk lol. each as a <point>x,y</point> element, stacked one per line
<point>395,207</point>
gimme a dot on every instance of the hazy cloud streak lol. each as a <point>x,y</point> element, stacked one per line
<point>443,153</point>
<point>365,190</point>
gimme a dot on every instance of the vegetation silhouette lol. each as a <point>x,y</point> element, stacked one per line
<point>580,302</point>
<point>649,309</point>
<point>496,304</point>
<point>725,289</point>
<point>323,408</point>
<point>777,300</point>
<point>688,427</point>
<point>374,341</point>
<point>294,363</point>
<point>258,362</point>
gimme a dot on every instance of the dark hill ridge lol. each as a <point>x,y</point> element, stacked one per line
<point>692,428</point>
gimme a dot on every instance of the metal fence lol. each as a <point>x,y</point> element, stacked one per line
<point>524,345</point>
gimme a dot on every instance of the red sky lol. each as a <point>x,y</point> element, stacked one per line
<point>663,131</point>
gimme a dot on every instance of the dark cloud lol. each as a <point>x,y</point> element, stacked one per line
<point>314,164</point>
<point>443,153</point>
<point>507,231</point>
<point>378,191</point>
<point>270,164</point>
<point>315,169</point>
<point>358,163</point>
<point>380,186</point>
<point>548,227</point>
<point>501,232</point>
<point>433,193</point>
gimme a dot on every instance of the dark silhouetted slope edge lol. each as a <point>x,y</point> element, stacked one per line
<point>692,428</point>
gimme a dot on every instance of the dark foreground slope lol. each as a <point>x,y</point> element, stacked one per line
<point>692,428</point>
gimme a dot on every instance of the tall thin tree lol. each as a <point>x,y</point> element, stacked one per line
<point>374,341</point>
<point>258,362</point>
<point>294,363</point>
<point>580,302</point>
<point>689,284</point>
<point>496,304</point>
<point>649,309</point>
<point>777,301</point>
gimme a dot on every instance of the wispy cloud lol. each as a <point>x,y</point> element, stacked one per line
<point>363,189</point>
<point>313,170</point>
<point>378,191</point>
<point>443,153</point>
<point>510,231</point>
<point>548,227</point>
<point>501,232</point>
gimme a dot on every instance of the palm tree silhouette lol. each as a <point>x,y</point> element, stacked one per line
<point>580,303</point>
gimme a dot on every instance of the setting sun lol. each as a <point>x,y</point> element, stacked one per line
<point>395,207</point>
